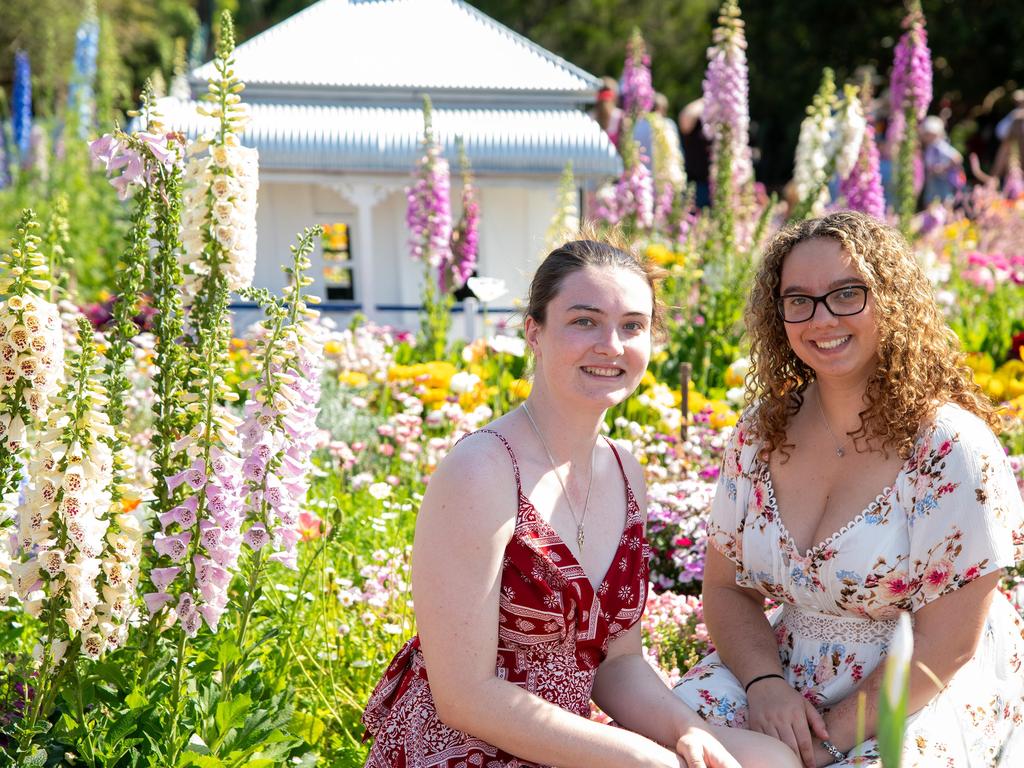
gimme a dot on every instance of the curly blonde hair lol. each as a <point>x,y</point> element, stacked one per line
<point>920,362</point>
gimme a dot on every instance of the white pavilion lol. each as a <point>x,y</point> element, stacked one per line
<point>336,94</point>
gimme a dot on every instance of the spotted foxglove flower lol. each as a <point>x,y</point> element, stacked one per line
<point>31,356</point>
<point>465,239</point>
<point>130,159</point>
<point>726,115</point>
<point>637,90</point>
<point>85,571</point>
<point>862,188</point>
<point>221,181</point>
<point>850,125</point>
<point>428,214</point>
<point>810,173</point>
<point>220,212</point>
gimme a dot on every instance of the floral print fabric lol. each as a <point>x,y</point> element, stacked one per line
<point>954,513</point>
<point>553,633</point>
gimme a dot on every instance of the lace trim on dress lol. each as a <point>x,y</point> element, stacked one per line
<point>825,627</point>
<point>766,480</point>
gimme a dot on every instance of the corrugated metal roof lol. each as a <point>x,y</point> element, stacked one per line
<point>403,44</point>
<point>387,139</point>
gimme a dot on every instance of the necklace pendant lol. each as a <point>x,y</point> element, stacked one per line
<point>840,453</point>
<point>579,537</point>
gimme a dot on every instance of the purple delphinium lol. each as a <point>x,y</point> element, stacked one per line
<point>428,214</point>
<point>726,114</point>
<point>80,91</point>
<point>21,105</point>
<point>637,90</point>
<point>911,82</point>
<point>5,159</point>
<point>863,187</point>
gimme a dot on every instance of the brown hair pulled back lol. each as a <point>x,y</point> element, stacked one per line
<point>609,250</point>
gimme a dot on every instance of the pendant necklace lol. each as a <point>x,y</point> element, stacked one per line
<point>839,446</point>
<point>554,468</point>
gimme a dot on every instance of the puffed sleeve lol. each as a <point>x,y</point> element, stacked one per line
<point>967,515</point>
<point>728,509</point>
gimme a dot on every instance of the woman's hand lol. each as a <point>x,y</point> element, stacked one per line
<point>777,710</point>
<point>699,749</point>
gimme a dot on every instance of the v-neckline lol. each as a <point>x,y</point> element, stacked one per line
<point>832,537</point>
<point>626,525</point>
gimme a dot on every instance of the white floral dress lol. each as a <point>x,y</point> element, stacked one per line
<point>954,513</point>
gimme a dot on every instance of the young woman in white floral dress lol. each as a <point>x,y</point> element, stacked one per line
<point>865,481</point>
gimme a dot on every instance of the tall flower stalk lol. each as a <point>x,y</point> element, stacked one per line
<point>630,202</point>
<point>726,113</point>
<point>429,218</point>
<point>21,106</point>
<point>279,428</point>
<point>465,241</point>
<point>565,224</point>
<point>81,101</point>
<point>31,356</point>
<point>910,93</point>
<point>862,189</point>
<point>637,90</point>
<point>812,169</point>
<point>80,566</point>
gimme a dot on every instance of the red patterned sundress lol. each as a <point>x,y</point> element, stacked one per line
<point>553,633</point>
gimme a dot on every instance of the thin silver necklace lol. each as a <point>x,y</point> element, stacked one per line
<point>839,446</point>
<point>554,468</point>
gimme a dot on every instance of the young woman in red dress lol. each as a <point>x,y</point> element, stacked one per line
<point>530,565</point>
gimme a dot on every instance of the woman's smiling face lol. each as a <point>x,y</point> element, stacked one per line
<point>840,349</point>
<point>595,343</point>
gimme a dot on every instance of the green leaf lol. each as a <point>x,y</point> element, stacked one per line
<point>232,712</point>
<point>309,727</point>
<point>202,761</point>
<point>36,760</point>
<point>227,653</point>
<point>135,699</point>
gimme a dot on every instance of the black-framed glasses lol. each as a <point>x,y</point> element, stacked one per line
<point>799,308</point>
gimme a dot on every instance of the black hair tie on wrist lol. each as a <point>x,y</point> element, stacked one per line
<point>761,677</point>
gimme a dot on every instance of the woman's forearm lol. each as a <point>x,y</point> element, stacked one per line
<point>842,718</point>
<point>631,693</point>
<point>527,726</point>
<point>741,633</point>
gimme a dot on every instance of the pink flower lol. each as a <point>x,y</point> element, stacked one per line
<point>896,584</point>
<point>937,576</point>
<point>256,536</point>
<point>174,547</point>
<point>162,577</point>
<point>156,600</point>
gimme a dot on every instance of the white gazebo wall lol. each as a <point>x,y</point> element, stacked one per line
<point>515,215</point>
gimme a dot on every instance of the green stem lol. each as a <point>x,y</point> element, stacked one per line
<point>176,697</point>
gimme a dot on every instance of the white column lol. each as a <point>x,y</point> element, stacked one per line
<point>364,196</point>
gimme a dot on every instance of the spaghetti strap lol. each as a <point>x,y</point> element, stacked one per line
<point>622,469</point>
<point>511,455</point>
